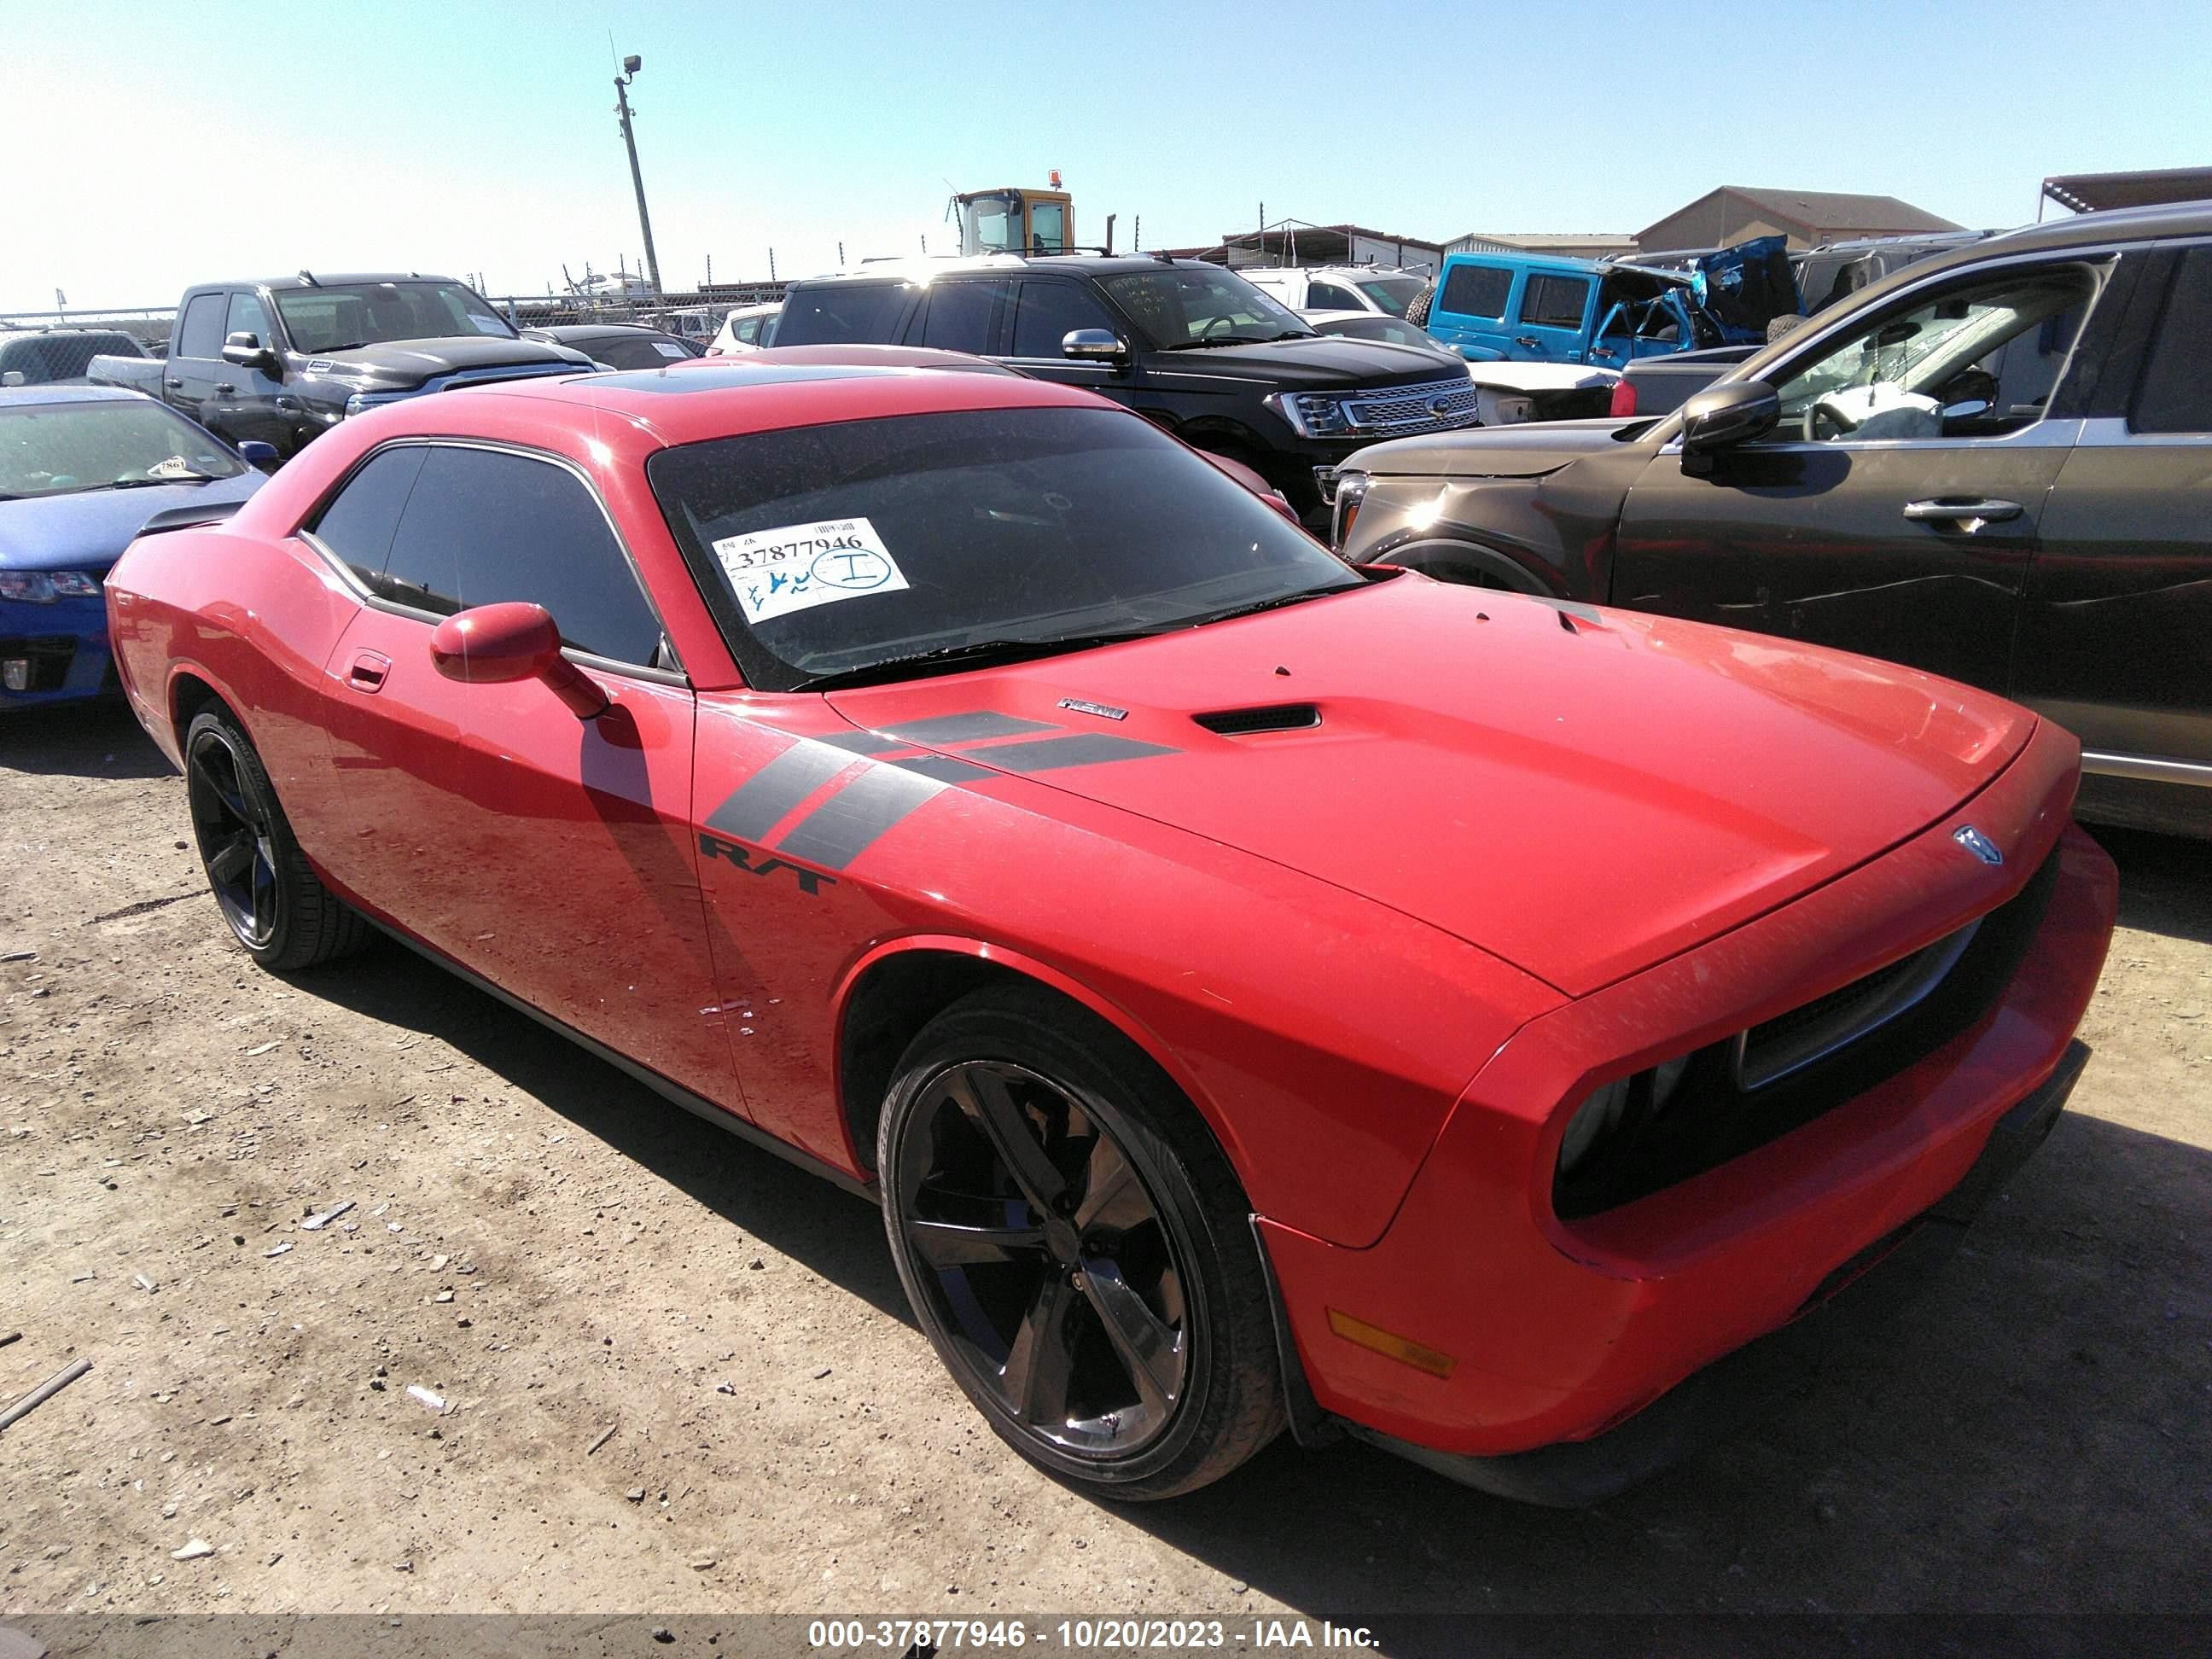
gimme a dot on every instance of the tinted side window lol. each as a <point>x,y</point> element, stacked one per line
<point>747,330</point>
<point>497,527</point>
<point>2176,394</point>
<point>1327,296</point>
<point>1476,291</point>
<point>358,524</point>
<point>1555,302</point>
<point>200,334</point>
<point>966,316</point>
<point>1049,312</point>
<point>247,315</point>
<point>638,352</point>
<point>838,313</point>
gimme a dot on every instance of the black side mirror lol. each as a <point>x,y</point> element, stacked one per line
<point>1723,415</point>
<point>245,350</point>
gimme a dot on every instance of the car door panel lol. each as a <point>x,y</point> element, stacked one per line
<point>552,856</point>
<point>1812,542</point>
<point>2116,635</point>
<point>1896,509</point>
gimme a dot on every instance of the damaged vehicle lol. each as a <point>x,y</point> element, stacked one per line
<point>957,784</point>
<point>1990,464</point>
<point>1549,309</point>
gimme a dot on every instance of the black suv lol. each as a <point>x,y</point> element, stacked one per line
<point>1190,345</point>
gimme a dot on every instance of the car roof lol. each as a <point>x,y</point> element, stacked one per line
<point>855,355</point>
<point>563,332</point>
<point>330,279</point>
<point>1077,264</point>
<point>2114,225</point>
<point>70,394</point>
<point>722,397</point>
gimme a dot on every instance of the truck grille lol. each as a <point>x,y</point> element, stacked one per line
<point>1399,410</point>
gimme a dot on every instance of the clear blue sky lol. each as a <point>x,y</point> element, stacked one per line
<point>146,146</point>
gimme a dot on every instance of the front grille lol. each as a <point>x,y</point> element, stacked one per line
<point>1737,1095</point>
<point>1771,1050</point>
<point>1399,410</point>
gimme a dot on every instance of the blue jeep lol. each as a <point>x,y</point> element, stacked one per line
<point>1493,307</point>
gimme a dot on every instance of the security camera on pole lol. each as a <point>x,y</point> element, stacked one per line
<point>630,65</point>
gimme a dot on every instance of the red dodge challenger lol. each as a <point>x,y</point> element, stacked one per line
<point>1257,991</point>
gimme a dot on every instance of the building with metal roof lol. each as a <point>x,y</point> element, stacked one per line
<point>1735,213</point>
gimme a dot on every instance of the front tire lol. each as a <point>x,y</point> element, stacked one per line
<point>274,903</point>
<point>1077,1249</point>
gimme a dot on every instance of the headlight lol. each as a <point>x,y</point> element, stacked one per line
<point>1349,491</point>
<point>367,400</point>
<point>1617,1108</point>
<point>45,586</point>
<point>1311,413</point>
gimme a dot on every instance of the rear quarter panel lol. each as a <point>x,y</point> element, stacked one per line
<point>255,620</point>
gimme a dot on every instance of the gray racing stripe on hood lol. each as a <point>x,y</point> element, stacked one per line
<point>967,728</point>
<point>1084,748</point>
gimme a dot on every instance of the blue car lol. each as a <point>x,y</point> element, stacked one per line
<point>81,468</point>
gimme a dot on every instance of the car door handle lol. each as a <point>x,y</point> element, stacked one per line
<point>174,384</point>
<point>1527,342</point>
<point>226,390</point>
<point>369,671</point>
<point>1969,515</point>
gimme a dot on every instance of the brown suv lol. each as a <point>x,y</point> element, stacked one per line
<point>1993,464</point>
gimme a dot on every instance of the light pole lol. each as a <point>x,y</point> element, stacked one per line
<point>631,65</point>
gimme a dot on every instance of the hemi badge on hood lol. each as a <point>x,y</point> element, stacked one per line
<point>1078,706</point>
<point>1978,844</point>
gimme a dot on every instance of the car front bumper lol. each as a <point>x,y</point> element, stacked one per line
<point>1846,1312</point>
<point>61,648</point>
<point>1530,1333</point>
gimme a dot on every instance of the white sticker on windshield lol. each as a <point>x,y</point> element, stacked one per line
<point>670,348</point>
<point>487,325</point>
<point>799,566</point>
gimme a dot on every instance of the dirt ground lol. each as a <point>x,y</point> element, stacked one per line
<point>554,1252</point>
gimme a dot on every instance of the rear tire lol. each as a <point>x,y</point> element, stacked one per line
<point>274,903</point>
<point>1077,1249</point>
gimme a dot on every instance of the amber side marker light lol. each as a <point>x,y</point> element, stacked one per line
<point>1390,1348</point>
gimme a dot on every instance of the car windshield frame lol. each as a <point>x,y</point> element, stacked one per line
<point>1077,503</point>
<point>1138,295</point>
<point>195,443</point>
<point>469,310</point>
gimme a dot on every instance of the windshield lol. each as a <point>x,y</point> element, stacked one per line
<point>833,551</point>
<point>1393,294</point>
<point>1179,306</point>
<point>339,316</point>
<point>58,449</point>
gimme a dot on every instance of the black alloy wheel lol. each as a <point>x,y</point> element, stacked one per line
<point>236,833</point>
<point>1049,1264</point>
<point>1076,1247</point>
<point>268,892</point>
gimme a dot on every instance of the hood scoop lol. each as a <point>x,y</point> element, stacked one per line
<point>1271,717</point>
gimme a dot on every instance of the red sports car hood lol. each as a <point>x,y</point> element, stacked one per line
<point>1580,791</point>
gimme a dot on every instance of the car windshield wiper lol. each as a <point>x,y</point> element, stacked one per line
<point>351,345</point>
<point>973,654</point>
<point>1213,340</point>
<point>149,483</point>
